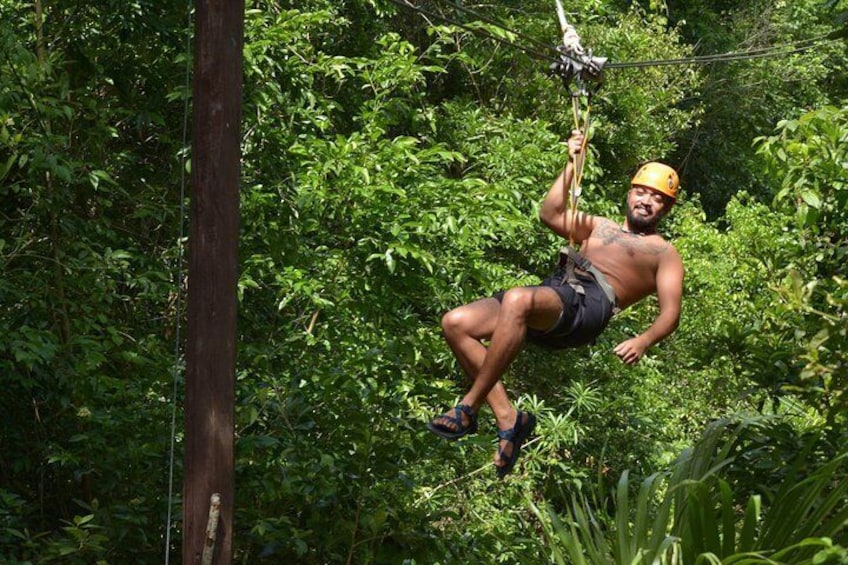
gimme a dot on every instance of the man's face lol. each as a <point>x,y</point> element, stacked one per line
<point>645,208</point>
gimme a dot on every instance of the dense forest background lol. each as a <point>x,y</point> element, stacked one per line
<point>392,169</point>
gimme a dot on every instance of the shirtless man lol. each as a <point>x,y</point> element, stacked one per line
<point>625,264</point>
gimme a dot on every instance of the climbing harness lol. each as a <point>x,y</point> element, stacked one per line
<point>571,262</point>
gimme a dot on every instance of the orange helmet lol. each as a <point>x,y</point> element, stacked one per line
<point>659,177</point>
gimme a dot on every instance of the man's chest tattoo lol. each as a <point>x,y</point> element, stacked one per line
<point>612,234</point>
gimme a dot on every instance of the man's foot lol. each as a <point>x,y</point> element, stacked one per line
<point>511,441</point>
<point>461,423</point>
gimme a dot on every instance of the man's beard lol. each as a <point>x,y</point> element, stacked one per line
<point>641,224</point>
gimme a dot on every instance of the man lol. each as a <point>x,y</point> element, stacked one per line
<point>618,265</point>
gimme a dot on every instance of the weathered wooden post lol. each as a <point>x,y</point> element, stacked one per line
<point>212,278</point>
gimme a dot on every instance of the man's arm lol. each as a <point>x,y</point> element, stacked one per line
<point>669,296</point>
<point>554,212</point>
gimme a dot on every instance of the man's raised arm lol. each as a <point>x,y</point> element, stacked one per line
<point>554,212</point>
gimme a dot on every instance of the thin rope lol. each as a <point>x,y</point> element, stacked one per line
<point>180,268</point>
<point>563,22</point>
<point>497,23</point>
<point>480,32</point>
<point>785,49</point>
<point>570,39</point>
<point>579,162</point>
<point>429,494</point>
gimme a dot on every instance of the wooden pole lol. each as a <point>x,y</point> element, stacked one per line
<point>213,276</point>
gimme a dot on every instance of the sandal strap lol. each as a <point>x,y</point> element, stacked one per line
<point>456,419</point>
<point>472,415</point>
<point>508,435</point>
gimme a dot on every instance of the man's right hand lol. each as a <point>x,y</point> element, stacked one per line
<point>575,144</point>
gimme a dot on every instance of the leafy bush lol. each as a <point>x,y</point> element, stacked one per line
<point>692,514</point>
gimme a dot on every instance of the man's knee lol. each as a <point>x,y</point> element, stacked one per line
<point>454,322</point>
<point>518,300</point>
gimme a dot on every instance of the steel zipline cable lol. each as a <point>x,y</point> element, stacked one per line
<point>551,55</point>
<point>744,55</point>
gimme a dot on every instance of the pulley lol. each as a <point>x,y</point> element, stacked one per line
<point>576,64</point>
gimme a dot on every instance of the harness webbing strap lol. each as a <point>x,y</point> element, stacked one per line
<point>570,259</point>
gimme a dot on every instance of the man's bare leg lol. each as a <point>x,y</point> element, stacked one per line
<point>522,308</point>
<point>505,323</point>
<point>464,328</point>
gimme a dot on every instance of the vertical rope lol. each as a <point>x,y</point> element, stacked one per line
<point>179,281</point>
<point>579,161</point>
<point>571,41</point>
<point>563,23</point>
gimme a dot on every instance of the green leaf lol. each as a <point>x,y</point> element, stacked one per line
<point>748,536</point>
<point>811,197</point>
<point>10,162</point>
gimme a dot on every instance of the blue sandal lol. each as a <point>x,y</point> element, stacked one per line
<point>459,429</point>
<point>516,435</point>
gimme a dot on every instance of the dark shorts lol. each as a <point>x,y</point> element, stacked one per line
<point>583,318</point>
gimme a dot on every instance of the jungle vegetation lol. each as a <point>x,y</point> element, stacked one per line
<point>392,169</point>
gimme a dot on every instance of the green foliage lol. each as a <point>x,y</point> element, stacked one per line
<point>716,157</point>
<point>642,110</point>
<point>808,161</point>
<point>88,229</point>
<point>391,171</point>
<point>692,514</point>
